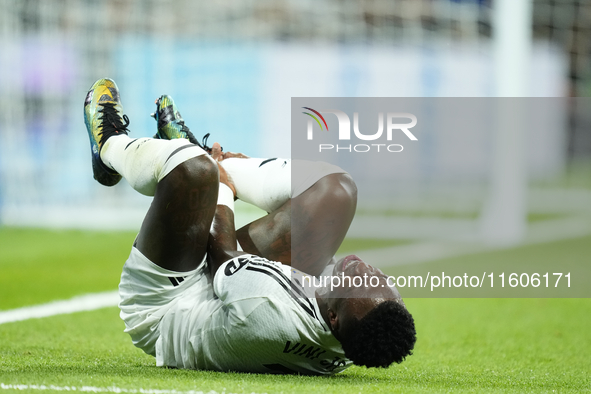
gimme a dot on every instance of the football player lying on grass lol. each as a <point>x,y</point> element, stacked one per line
<point>192,300</point>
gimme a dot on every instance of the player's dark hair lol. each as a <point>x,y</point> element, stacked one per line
<point>384,336</point>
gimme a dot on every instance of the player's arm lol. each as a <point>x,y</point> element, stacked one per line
<point>222,244</point>
<point>222,239</point>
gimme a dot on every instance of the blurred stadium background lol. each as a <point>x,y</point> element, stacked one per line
<point>233,66</point>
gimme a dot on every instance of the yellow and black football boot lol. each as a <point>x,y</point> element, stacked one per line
<point>171,124</point>
<point>104,119</point>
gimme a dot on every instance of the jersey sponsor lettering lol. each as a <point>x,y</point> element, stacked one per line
<point>301,349</point>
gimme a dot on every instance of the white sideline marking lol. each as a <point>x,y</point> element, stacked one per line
<point>87,302</point>
<point>91,389</point>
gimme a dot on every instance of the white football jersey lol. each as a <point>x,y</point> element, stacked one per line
<point>256,319</point>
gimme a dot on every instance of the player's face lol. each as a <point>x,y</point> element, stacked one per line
<point>349,300</point>
<point>366,281</point>
<point>352,301</point>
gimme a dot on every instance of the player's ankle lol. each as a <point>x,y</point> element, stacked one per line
<point>113,140</point>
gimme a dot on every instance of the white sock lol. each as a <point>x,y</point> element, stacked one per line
<point>269,183</point>
<point>144,162</point>
<point>264,183</point>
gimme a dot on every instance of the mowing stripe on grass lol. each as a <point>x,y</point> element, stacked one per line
<point>405,254</point>
<point>87,302</point>
<point>92,389</point>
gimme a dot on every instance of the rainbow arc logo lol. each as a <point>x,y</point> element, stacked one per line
<point>315,118</point>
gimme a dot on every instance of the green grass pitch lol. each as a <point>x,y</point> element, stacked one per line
<point>464,345</point>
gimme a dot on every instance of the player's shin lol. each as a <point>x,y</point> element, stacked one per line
<point>264,183</point>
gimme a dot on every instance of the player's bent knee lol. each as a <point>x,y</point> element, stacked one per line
<point>197,171</point>
<point>349,187</point>
<point>338,188</point>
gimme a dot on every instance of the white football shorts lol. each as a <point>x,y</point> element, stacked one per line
<point>147,292</point>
